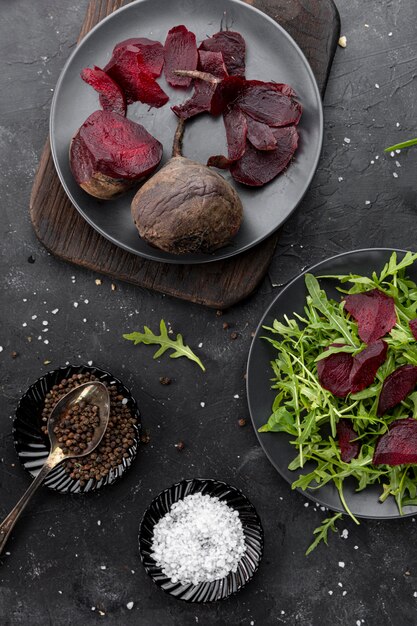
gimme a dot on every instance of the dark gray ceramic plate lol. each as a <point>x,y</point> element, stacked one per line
<point>260,396</point>
<point>271,55</point>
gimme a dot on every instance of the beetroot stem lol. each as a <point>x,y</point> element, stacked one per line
<point>208,78</point>
<point>178,137</point>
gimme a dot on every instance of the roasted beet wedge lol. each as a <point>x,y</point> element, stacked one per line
<point>200,101</point>
<point>232,46</point>
<point>396,388</point>
<point>349,449</point>
<point>258,167</point>
<point>334,372</point>
<point>110,153</point>
<point>112,97</point>
<point>260,135</point>
<point>366,364</point>
<point>413,327</point>
<point>374,312</point>
<point>399,445</point>
<point>127,67</point>
<point>267,103</point>
<point>152,53</point>
<point>180,53</point>
<point>236,131</point>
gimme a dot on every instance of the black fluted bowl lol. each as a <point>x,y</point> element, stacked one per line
<point>252,529</point>
<point>32,446</point>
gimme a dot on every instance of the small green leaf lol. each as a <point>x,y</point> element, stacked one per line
<point>322,532</point>
<point>165,343</point>
<point>403,144</point>
<point>281,421</point>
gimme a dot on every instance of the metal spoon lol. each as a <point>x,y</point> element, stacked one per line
<point>92,393</point>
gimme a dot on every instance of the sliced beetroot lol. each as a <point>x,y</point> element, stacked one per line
<point>366,364</point>
<point>227,93</point>
<point>152,53</point>
<point>349,449</point>
<point>112,97</point>
<point>260,135</point>
<point>374,312</point>
<point>413,327</point>
<point>399,445</point>
<point>236,131</point>
<point>396,388</point>
<point>109,150</point>
<point>128,69</point>
<point>232,46</point>
<point>180,53</point>
<point>334,372</point>
<point>200,101</point>
<point>267,103</point>
<point>258,167</point>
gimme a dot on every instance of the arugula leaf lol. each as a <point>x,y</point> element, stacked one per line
<point>403,144</point>
<point>177,345</point>
<point>280,421</point>
<point>322,532</point>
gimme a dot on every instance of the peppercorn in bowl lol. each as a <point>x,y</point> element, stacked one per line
<point>112,457</point>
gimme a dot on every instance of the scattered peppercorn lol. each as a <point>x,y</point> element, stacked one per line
<point>226,325</point>
<point>31,259</point>
<point>118,438</point>
<point>242,422</point>
<point>180,446</point>
<point>14,354</point>
<point>234,335</point>
<point>164,380</point>
<point>219,313</point>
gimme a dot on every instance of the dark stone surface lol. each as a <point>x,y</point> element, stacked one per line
<point>53,574</point>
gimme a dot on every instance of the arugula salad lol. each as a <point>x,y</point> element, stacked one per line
<point>349,405</point>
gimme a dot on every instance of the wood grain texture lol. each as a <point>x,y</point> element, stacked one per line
<point>314,24</point>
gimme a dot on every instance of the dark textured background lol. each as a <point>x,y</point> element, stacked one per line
<point>53,574</point>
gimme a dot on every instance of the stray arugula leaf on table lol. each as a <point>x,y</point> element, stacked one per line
<point>165,343</point>
<point>309,413</point>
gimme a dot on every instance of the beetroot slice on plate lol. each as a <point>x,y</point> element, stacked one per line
<point>366,364</point>
<point>260,135</point>
<point>236,131</point>
<point>128,69</point>
<point>180,53</point>
<point>413,327</point>
<point>334,372</point>
<point>396,388</point>
<point>111,149</point>
<point>258,167</point>
<point>267,103</point>
<point>374,312</point>
<point>232,46</point>
<point>112,97</point>
<point>399,445</point>
<point>349,449</point>
<point>200,101</point>
<point>152,53</point>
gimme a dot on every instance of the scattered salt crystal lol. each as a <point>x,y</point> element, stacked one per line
<point>306,504</point>
<point>342,41</point>
<point>24,324</point>
<point>344,592</point>
<point>372,162</point>
<point>282,612</point>
<point>84,319</point>
<point>376,86</point>
<point>395,174</point>
<point>199,540</point>
<point>1,348</point>
<point>340,584</point>
<point>59,591</point>
<point>129,605</point>
<point>367,202</point>
<point>340,179</point>
<point>377,156</point>
<point>341,564</point>
<point>98,522</point>
<point>389,34</point>
<point>366,25</point>
<point>397,124</point>
<point>346,140</point>
<point>55,311</point>
<point>45,341</point>
<point>202,404</point>
<point>415,594</point>
<point>200,345</point>
<point>34,317</point>
<point>45,323</point>
<point>86,301</point>
<point>236,395</point>
<point>356,547</point>
<point>75,304</point>
<point>25,299</point>
<point>330,592</point>
<point>392,153</point>
<point>103,567</point>
<point>358,622</point>
<point>89,363</point>
<point>397,163</point>
<point>345,533</point>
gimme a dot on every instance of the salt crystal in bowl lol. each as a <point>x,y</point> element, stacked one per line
<point>253,538</point>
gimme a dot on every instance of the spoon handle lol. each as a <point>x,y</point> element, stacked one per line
<point>8,523</point>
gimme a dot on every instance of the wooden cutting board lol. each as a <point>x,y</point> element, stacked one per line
<point>315,26</point>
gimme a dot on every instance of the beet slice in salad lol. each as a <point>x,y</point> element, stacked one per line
<point>366,364</point>
<point>112,97</point>
<point>349,449</point>
<point>374,312</point>
<point>396,388</point>
<point>334,372</point>
<point>233,48</point>
<point>180,53</point>
<point>413,327</point>
<point>399,445</point>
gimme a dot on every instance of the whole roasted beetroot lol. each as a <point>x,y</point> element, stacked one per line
<point>186,207</point>
<point>110,153</point>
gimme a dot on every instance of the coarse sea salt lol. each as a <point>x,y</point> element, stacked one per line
<point>199,540</point>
